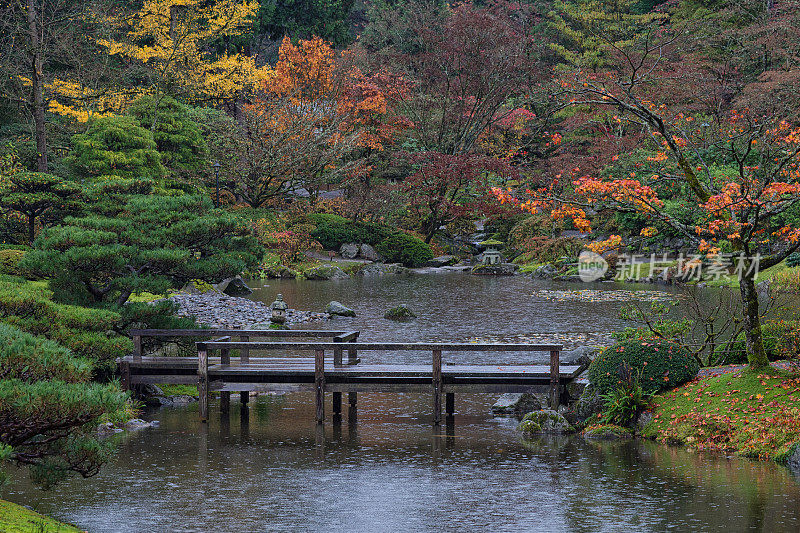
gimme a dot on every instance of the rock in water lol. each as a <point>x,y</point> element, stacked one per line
<point>544,422</point>
<point>368,252</point>
<point>349,251</point>
<point>237,287</point>
<point>442,261</point>
<point>383,270</point>
<point>401,312</point>
<point>325,272</point>
<point>516,404</point>
<point>547,271</point>
<point>501,269</point>
<point>338,309</point>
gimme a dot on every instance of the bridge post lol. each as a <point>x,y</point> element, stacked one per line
<point>437,387</point>
<point>244,354</point>
<point>319,381</point>
<point>555,384</point>
<point>202,382</point>
<point>244,358</point>
<point>450,403</point>
<point>137,347</point>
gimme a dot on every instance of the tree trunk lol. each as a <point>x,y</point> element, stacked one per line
<point>37,88</point>
<point>31,229</point>
<point>756,355</point>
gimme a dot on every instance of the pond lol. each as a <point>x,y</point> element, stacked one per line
<point>388,470</point>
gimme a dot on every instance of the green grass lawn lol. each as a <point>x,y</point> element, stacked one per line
<point>753,414</point>
<point>18,519</point>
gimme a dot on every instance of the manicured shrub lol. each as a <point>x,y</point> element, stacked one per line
<point>793,260</point>
<point>660,365</point>
<point>9,261</point>
<point>405,249</point>
<point>332,231</point>
<point>116,146</point>
<point>88,332</point>
<point>49,411</point>
<point>29,358</point>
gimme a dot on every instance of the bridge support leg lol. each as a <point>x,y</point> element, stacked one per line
<point>244,397</point>
<point>202,384</point>
<point>319,381</point>
<point>437,387</point>
<point>450,403</point>
<point>337,404</point>
<point>225,402</point>
<point>555,381</point>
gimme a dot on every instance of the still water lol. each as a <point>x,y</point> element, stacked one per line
<point>387,469</point>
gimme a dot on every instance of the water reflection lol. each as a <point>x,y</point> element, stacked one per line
<point>271,468</point>
<point>266,465</point>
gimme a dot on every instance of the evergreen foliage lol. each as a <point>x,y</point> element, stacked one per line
<point>152,244</point>
<point>178,138</point>
<point>406,249</point>
<point>32,194</point>
<point>48,411</point>
<point>659,365</point>
<point>116,146</point>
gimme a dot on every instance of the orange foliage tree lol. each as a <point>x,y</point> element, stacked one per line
<point>313,119</point>
<point>728,178</point>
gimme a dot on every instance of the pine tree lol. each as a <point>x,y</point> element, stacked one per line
<point>588,30</point>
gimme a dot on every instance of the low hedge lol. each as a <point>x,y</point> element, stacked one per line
<point>660,365</point>
<point>406,249</point>
<point>332,231</point>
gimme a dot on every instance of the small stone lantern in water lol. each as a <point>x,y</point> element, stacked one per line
<point>492,256</point>
<point>279,310</point>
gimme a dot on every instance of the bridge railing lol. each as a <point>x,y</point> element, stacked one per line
<point>342,342</point>
<point>244,335</point>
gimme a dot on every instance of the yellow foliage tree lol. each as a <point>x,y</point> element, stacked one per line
<point>173,40</point>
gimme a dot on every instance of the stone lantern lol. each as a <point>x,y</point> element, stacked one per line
<point>492,255</point>
<point>279,310</point>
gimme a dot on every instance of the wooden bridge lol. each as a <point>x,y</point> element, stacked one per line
<point>225,365</point>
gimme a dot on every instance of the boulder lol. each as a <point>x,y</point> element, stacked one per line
<point>547,271</point>
<point>793,459</point>
<point>390,269</point>
<point>516,404</point>
<point>349,250</point>
<point>337,309</point>
<point>442,261</point>
<point>107,428</point>
<point>137,423</point>
<point>644,418</point>
<point>325,272</point>
<point>502,269</point>
<point>576,387</point>
<point>237,287</point>
<point>368,252</point>
<point>581,356</point>
<point>544,422</point>
<point>194,288</point>
<point>279,272</point>
<point>401,312</point>
<point>589,404</point>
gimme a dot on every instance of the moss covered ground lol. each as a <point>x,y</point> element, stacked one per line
<point>750,413</point>
<point>18,519</point>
